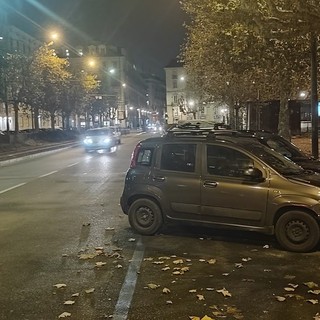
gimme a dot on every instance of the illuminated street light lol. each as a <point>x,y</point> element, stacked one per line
<point>91,63</point>
<point>53,36</point>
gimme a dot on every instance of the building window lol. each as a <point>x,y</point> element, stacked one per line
<point>174,84</point>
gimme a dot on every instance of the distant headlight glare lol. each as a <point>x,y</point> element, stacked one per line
<point>87,141</point>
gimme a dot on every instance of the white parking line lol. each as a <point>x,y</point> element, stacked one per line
<point>127,290</point>
<point>14,187</point>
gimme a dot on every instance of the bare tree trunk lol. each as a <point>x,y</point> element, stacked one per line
<point>52,120</point>
<point>36,119</point>
<point>16,116</point>
<point>284,124</point>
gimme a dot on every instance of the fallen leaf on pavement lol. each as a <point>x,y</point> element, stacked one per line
<point>314,291</point>
<point>166,290</point>
<point>153,286</point>
<point>85,256</point>
<point>246,259</point>
<point>75,294</point>
<point>158,262</point>
<point>64,315</point>
<point>289,289</point>
<point>60,285</point>
<point>200,297</point>
<point>179,261</point>
<point>225,292</point>
<point>100,264</point>
<point>69,302</point>
<point>91,290</point>
<point>165,269</point>
<point>313,301</point>
<point>281,299</point>
<point>311,284</point>
<point>212,261</point>
<point>193,290</point>
<point>109,228</point>
<point>169,302</point>
<point>132,240</point>
<point>317,316</point>
<point>289,277</point>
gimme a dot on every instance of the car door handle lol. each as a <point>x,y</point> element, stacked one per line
<point>210,184</point>
<point>158,178</point>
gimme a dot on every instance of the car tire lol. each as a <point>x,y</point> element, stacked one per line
<point>145,216</point>
<point>297,231</point>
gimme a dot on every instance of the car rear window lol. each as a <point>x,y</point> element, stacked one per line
<point>144,157</point>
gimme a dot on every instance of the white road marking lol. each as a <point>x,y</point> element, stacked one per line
<point>48,174</point>
<point>128,287</point>
<point>73,164</point>
<point>14,187</point>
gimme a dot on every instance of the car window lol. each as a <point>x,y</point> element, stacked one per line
<point>225,161</point>
<point>98,132</point>
<point>144,157</point>
<point>178,157</point>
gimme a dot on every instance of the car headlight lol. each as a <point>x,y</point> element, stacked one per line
<point>87,141</point>
<point>107,140</point>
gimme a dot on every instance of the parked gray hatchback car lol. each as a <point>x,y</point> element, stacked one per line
<point>236,183</point>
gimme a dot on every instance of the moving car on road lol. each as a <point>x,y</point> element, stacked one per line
<point>100,139</point>
<point>234,183</point>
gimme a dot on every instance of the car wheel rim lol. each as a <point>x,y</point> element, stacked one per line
<point>297,231</point>
<point>144,216</point>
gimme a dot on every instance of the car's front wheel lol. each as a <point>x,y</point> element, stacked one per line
<point>145,216</point>
<point>297,231</point>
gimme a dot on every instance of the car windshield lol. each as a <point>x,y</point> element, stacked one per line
<point>275,160</point>
<point>98,132</point>
<point>285,147</point>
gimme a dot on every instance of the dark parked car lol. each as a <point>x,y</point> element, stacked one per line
<point>235,183</point>
<point>100,139</point>
<point>280,145</point>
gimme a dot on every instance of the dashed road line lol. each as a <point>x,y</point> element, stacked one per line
<point>14,187</point>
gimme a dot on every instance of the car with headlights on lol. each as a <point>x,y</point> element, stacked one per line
<point>100,140</point>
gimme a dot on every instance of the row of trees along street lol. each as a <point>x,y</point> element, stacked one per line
<point>45,82</point>
<point>244,50</point>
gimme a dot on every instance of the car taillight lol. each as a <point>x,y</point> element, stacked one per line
<point>134,156</point>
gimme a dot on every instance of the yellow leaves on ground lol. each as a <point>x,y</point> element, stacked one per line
<point>225,292</point>
<point>69,302</point>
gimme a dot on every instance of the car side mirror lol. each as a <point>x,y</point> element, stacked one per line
<point>253,174</point>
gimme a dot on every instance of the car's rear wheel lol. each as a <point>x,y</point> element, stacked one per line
<point>297,231</point>
<point>145,216</point>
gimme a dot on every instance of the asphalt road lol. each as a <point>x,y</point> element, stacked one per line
<point>67,251</point>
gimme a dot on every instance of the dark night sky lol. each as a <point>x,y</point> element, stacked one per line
<point>149,29</point>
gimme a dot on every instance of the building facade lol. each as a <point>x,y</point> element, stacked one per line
<point>182,104</point>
